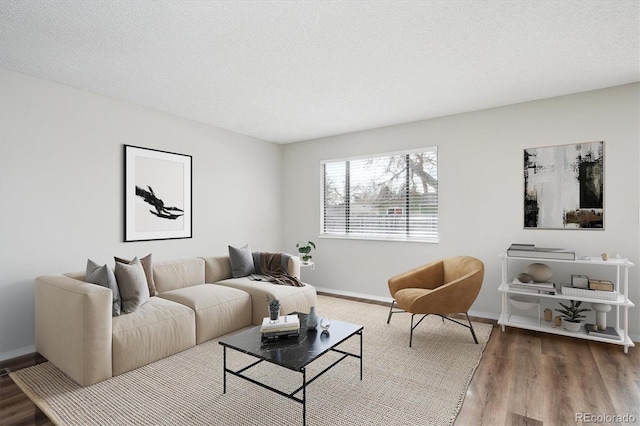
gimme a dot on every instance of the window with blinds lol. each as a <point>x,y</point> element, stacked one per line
<point>388,196</point>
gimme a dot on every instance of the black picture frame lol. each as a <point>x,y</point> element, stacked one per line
<point>158,193</point>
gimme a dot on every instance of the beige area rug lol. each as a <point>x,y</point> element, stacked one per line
<point>422,385</point>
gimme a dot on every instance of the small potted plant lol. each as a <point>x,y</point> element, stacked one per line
<point>304,249</point>
<point>571,315</point>
<point>274,308</point>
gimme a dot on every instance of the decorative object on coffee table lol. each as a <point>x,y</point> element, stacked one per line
<point>325,323</point>
<point>312,319</point>
<point>274,308</point>
<point>157,195</point>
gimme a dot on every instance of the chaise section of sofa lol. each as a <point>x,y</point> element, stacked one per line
<point>292,299</point>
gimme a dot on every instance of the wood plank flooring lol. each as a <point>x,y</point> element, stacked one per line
<point>524,378</point>
<point>531,378</point>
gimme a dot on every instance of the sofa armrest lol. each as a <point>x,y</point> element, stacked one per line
<point>73,327</point>
<point>294,266</point>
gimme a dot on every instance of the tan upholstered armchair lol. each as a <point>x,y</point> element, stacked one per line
<point>443,287</point>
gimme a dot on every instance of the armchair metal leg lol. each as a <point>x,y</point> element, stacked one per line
<point>414,326</point>
<point>470,326</point>
<point>391,311</point>
<point>473,333</point>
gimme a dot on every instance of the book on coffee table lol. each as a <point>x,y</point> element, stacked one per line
<point>285,323</point>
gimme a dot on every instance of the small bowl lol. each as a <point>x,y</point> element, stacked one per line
<point>524,303</point>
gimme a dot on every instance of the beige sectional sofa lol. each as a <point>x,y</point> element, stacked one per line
<point>197,300</point>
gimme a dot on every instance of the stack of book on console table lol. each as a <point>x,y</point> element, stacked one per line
<point>287,326</point>
<point>530,250</point>
<point>609,332</point>
<point>532,286</point>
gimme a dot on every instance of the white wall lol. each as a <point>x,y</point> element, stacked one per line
<point>61,189</point>
<point>481,190</point>
<point>61,180</point>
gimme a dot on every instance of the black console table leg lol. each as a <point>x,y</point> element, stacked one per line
<point>224,369</point>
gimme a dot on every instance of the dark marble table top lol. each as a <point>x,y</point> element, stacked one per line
<point>292,353</point>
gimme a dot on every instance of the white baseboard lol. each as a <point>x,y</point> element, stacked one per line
<point>488,315</point>
<point>17,352</point>
<point>353,294</point>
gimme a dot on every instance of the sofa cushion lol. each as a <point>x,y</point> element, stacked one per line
<point>174,274</point>
<point>147,265</point>
<point>104,276</point>
<point>158,328</point>
<point>292,299</point>
<point>219,310</point>
<point>241,261</point>
<point>132,282</point>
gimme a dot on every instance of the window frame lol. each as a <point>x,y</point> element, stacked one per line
<point>374,236</point>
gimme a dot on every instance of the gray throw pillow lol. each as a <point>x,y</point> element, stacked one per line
<point>132,283</point>
<point>103,275</point>
<point>241,261</point>
<point>147,265</point>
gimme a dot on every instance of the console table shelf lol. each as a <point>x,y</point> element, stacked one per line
<point>621,303</point>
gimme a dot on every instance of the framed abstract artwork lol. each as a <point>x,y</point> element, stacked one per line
<point>157,194</point>
<point>564,187</point>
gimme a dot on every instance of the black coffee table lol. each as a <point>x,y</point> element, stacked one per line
<point>295,354</point>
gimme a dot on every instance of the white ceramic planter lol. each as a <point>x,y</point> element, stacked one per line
<point>571,326</point>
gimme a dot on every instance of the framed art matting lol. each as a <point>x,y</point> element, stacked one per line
<point>157,194</point>
<point>564,187</point>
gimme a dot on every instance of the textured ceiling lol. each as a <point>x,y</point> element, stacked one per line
<point>287,71</point>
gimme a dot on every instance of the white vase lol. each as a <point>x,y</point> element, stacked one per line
<point>312,318</point>
<point>571,326</point>
<point>601,314</point>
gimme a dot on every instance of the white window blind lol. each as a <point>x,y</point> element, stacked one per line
<point>388,196</point>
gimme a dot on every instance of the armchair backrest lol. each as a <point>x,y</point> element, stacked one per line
<point>459,266</point>
<point>466,273</point>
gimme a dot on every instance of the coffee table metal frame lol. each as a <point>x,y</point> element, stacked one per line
<point>301,368</point>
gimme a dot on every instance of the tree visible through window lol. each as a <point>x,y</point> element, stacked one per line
<point>390,196</point>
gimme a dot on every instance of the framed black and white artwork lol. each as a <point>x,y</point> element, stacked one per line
<point>564,187</point>
<point>157,194</point>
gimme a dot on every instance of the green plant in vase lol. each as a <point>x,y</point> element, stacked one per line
<point>572,315</point>
<point>304,250</point>
<point>274,308</point>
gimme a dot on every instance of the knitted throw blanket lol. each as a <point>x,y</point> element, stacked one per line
<point>275,268</point>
